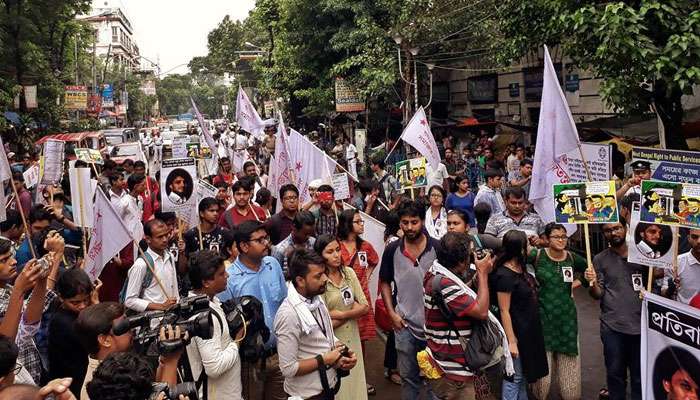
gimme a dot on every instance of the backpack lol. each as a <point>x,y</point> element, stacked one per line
<point>147,279</point>
<point>484,348</point>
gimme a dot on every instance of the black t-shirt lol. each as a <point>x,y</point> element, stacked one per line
<point>213,240</point>
<point>67,358</point>
<point>525,316</point>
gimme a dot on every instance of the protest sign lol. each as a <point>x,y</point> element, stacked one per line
<point>598,158</point>
<point>82,192</point>
<point>177,186</point>
<point>31,176</point>
<point>179,147</point>
<point>53,162</point>
<point>650,244</point>
<point>670,203</point>
<point>670,165</point>
<point>197,150</point>
<point>585,203</point>
<point>341,186</point>
<point>411,173</point>
<point>203,189</point>
<point>670,347</point>
<point>90,156</point>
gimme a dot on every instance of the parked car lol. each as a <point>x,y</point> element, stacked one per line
<point>123,151</point>
<point>91,140</point>
<point>120,135</point>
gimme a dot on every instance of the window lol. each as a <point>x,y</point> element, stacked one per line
<point>115,34</point>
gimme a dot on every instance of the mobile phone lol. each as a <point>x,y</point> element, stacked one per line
<point>44,263</point>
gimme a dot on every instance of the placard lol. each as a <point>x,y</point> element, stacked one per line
<point>341,186</point>
<point>411,173</point>
<point>31,176</point>
<point>177,186</point>
<point>90,156</point>
<point>203,189</point>
<point>670,165</point>
<point>670,348</point>
<point>53,162</point>
<point>179,147</point>
<point>649,243</point>
<point>81,196</point>
<point>670,203</point>
<point>598,158</point>
<point>197,150</point>
<point>585,202</point>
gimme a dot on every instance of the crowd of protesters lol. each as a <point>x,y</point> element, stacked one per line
<point>464,251</point>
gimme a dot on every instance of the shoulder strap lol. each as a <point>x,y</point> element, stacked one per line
<point>148,277</point>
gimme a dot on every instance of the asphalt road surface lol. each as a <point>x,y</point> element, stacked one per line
<point>592,364</point>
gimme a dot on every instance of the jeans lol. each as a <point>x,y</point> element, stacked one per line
<point>515,387</point>
<point>621,353</point>
<point>408,347</point>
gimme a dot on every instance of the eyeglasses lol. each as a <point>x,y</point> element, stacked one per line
<point>17,368</point>
<point>558,237</point>
<point>262,240</point>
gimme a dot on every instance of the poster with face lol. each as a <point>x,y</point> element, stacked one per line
<point>670,203</point>
<point>411,173</point>
<point>177,186</point>
<point>650,244</point>
<point>585,202</point>
<point>670,349</point>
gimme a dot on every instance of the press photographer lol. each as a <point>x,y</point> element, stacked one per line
<point>214,363</point>
<point>310,359</point>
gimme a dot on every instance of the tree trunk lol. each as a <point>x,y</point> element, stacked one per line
<point>670,111</point>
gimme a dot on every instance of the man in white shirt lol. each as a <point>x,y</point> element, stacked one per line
<point>688,280</point>
<point>351,156</point>
<point>306,344</point>
<point>158,145</point>
<point>217,358</point>
<point>438,176</point>
<point>153,286</point>
<point>131,206</point>
<point>147,143</point>
<point>117,191</point>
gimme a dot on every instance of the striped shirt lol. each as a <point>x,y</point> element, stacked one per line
<point>443,343</point>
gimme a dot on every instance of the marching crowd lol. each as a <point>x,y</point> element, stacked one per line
<point>475,295</point>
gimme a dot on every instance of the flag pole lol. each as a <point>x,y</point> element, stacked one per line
<point>82,212</point>
<point>24,218</point>
<point>199,233</point>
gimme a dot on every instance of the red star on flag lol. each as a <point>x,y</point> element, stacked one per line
<point>299,166</point>
<point>423,122</point>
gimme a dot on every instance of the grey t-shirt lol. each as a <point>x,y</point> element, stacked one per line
<point>620,306</point>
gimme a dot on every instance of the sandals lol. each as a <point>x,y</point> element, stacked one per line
<point>393,377</point>
<point>371,390</point>
<point>603,394</point>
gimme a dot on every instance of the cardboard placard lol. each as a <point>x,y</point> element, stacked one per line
<point>90,156</point>
<point>650,243</point>
<point>585,203</point>
<point>341,186</point>
<point>670,203</point>
<point>52,162</point>
<point>31,176</point>
<point>179,147</point>
<point>411,173</point>
<point>178,177</point>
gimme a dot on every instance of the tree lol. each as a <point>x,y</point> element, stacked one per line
<point>646,52</point>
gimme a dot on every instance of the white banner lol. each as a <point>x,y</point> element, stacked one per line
<point>179,147</point>
<point>670,349</point>
<point>247,117</point>
<point>109,236</point>
<point>418,135</point>
<point>54,155</point>
<point>82,190</point>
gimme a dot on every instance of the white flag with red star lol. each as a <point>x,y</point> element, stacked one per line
<point>280,163</point>
<point>247,117</point>
<point>418,135</point>
<point>308,163</point>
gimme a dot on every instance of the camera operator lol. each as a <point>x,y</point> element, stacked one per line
<point>125,376</point>
<point>152,282</point>
<point>214,362</point>
<point>308,351</point>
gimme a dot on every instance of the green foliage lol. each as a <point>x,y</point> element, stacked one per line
<point>647,52</point>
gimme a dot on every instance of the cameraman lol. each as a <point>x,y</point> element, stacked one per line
<point>215,361</point>
<point>308,351</point>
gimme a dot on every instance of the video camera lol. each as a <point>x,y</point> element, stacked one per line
<point>246,313</point>
<point>188,389</point>
<point>147,325</point>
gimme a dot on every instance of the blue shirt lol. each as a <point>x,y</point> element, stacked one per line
<point>23,255</point>
<point>464,204</point>
<point>266,285</point>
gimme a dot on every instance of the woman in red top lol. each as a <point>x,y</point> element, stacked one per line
<point>361,257</point>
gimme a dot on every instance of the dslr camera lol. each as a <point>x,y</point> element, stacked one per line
<point>192,314</point>
<point>246,312</point>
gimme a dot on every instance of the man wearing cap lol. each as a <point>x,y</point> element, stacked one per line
<point>641,170</point>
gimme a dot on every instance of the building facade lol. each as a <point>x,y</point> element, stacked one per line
<point>114,34</point>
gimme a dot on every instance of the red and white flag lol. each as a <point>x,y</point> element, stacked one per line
<point>556,136</point>
<point>308,163</point>
<point>109,236</point>
<point>280,163</point>
<point>418,135</point>
<point>247,117</point>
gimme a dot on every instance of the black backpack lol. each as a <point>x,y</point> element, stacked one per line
<point>481,349</point>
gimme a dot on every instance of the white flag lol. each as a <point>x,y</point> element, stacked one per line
<point>5,170</point>
<point>418,135</point>
<point>205,129</point>
<point>109,236</point>
<point>308,163</point>
<point>280,163</point>
<point>556,136</point>
<point>247,117</point>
